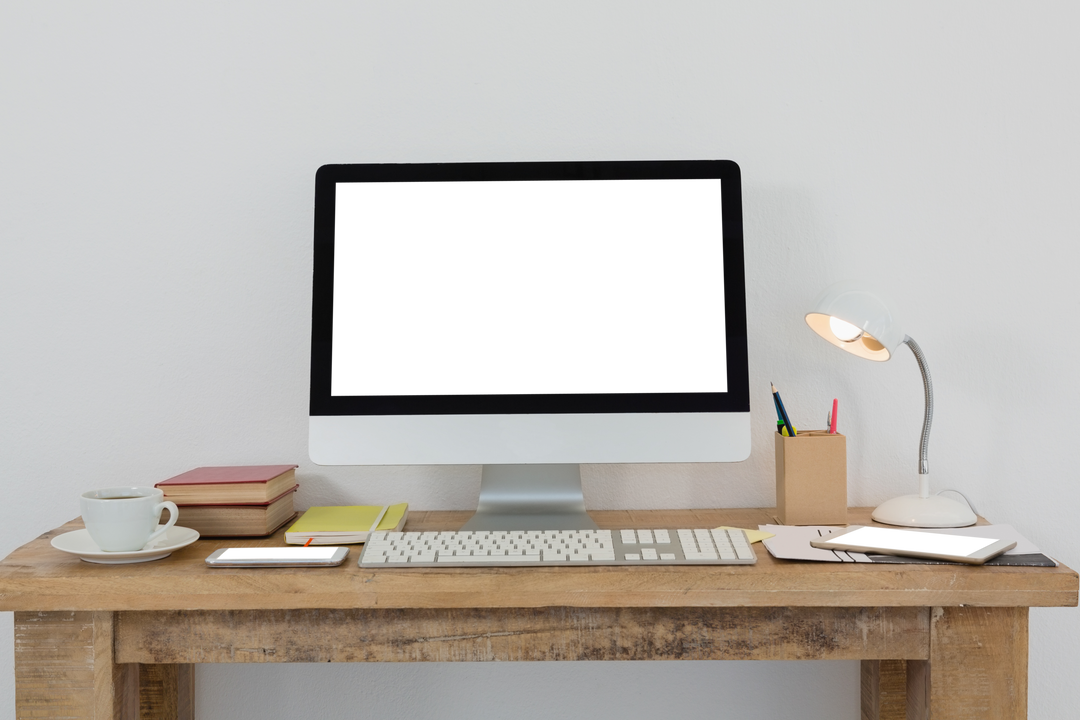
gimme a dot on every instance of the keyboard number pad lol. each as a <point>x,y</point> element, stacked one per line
<point>720,544</point>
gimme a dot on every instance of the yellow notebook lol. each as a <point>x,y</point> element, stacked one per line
<point>344,524</point>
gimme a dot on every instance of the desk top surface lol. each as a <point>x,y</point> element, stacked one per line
<point>36,576</point>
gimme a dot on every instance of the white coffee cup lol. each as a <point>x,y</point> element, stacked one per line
<point>125,519</point>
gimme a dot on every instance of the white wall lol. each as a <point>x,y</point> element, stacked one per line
<point>156,183</point>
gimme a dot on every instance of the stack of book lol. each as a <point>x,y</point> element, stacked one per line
<point>247,500</point>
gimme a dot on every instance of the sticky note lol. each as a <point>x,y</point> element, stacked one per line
<point>752,535</point>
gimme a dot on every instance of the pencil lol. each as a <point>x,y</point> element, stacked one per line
<point>783,412</point>
<point>779,415</point>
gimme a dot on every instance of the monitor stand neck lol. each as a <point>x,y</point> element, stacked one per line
<point>530,497</point>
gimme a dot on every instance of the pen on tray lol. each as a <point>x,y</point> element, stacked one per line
<point>832,417</point>
<point>783,413</point>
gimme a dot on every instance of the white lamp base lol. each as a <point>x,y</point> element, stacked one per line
<point>925,512</point>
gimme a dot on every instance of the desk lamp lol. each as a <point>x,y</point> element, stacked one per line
<point>859,322</point>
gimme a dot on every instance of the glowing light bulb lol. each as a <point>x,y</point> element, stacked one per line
<point>844,331</point>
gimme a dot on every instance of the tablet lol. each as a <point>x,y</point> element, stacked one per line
<point>321,556</point>
<point>915,543</point>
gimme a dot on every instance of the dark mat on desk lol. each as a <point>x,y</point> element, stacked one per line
<point>1031,560</point>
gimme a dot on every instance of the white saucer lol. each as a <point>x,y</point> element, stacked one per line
<point>78,542</point>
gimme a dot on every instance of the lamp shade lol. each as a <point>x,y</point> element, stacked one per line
<point>875,332</point>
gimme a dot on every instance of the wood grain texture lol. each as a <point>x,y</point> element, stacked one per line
<point>166,691</point>
<point>977,666</point>
<point>39,577</point>
<point>64,667</point>
<point>533,634</point>
<point>884,690</point>
<point>98,641</point>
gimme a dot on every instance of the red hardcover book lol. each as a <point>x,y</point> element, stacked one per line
<point>239,519</point>
<point>235,484</point>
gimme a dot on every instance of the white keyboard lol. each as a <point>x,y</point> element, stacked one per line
<point>509,548</point>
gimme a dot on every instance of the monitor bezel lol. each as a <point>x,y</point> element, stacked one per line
<point>732,398</point>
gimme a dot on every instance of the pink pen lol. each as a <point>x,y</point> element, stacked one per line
<point>832,420</point>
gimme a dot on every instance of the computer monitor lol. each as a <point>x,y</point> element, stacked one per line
<point>529,317</point>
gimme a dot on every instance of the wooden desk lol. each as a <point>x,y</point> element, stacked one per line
<point>98,641</point>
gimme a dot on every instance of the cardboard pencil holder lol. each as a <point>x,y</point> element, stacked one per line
<point>811,478</point>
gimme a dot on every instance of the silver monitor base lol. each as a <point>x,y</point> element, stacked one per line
<point>530,497</point>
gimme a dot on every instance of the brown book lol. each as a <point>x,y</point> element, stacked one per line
<point>249,519</point>
<point>237,484</point>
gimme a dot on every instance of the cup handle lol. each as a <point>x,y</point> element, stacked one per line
<point>173,514</point>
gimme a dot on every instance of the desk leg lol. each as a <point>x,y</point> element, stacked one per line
<point>64,668</point>
<point>166,692</point>
<point>884,690</point>
<point>977,667</point>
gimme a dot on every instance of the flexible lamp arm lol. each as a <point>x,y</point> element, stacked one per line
<point>928,388</point>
